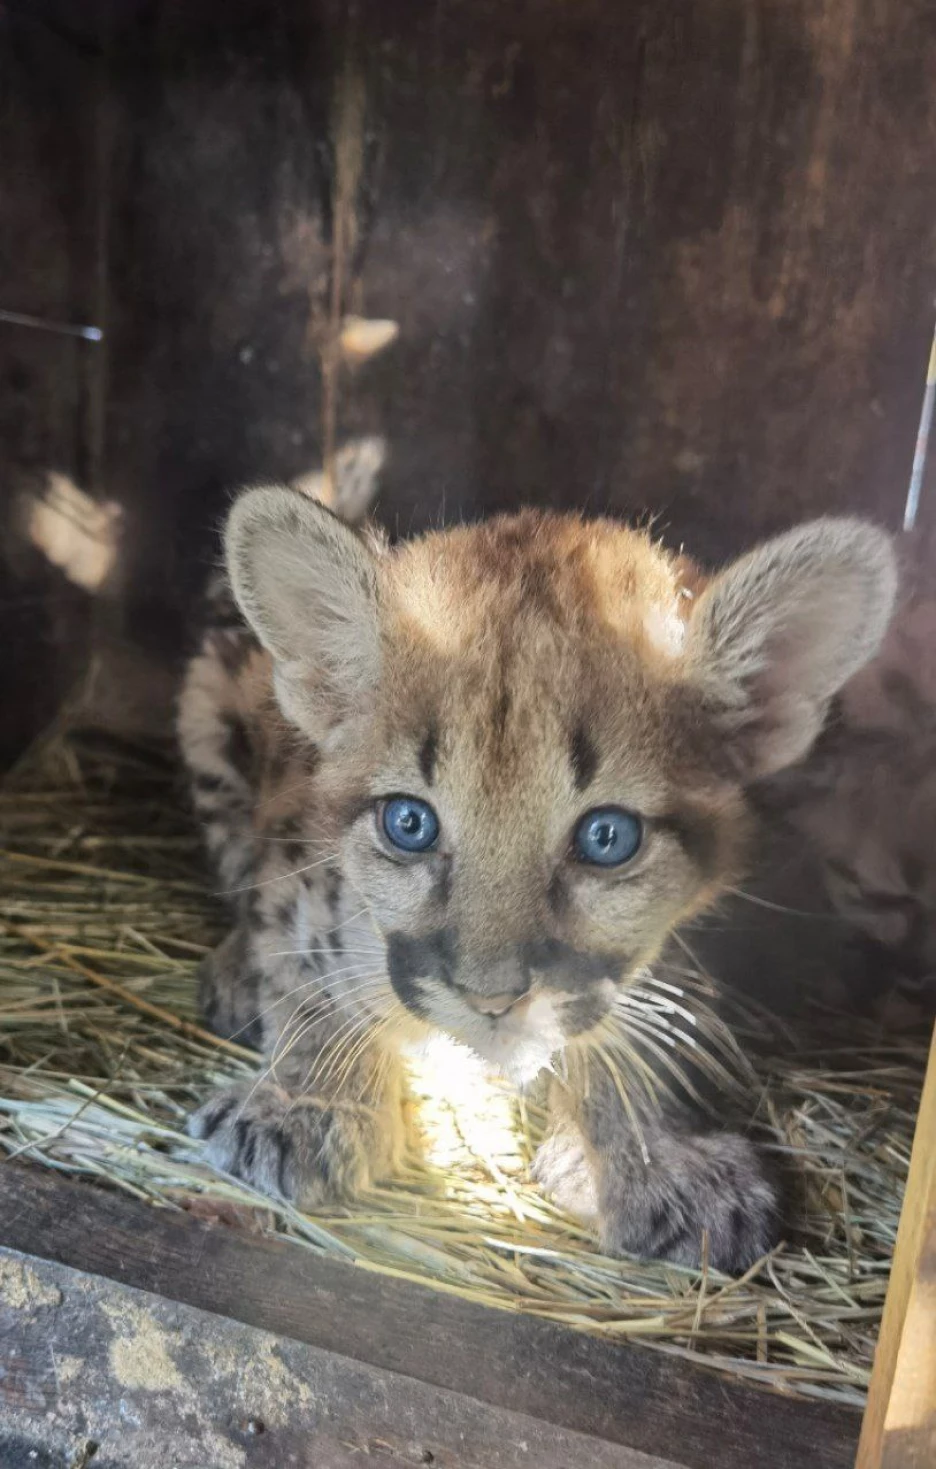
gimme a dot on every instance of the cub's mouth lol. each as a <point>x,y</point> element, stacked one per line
<point>493,1005</point>
<point>519,1035</point>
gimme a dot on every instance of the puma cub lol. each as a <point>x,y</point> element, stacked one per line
<point>470,784</point>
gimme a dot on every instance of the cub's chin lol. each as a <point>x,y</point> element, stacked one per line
<point>518,1045</point>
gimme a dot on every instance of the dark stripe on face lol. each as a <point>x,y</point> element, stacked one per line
<point>208,785</point>
<point>559,964</point>
<point>500,713</point>
<point>233,649</point>
<point>412,959</point>
<point>237,747</point>
<point>583,1013</point>
<point>428,755</point>
<point>697,835</point>
<point>557,895</point>
<point>408,991</point>
<point>442,887</point>
<point>584,758</point>
<point>355,807</point>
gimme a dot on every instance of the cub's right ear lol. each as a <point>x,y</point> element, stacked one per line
<point>773,638</point>
<point>308,587</point>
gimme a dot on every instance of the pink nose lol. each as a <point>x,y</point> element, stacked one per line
<point>491,1004</point>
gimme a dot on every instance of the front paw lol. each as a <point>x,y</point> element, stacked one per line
<point>711,1185</point>
<point>306,1151</point>
<point>566,1173</point>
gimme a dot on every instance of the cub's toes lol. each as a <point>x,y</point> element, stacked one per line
<point>713,1187</point>
<point>565,1174</point>
<point>300,1150</point>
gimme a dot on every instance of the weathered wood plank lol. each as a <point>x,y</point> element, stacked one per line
<point>624,1395</point>
<point>671,258</point>
<point>48,119</point>
<point>675,258</point>
<point>899,1428</point>
<point>127,1379</point>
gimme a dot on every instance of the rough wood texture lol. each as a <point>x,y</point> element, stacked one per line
<point>636,1399</point>
<point>48,113</point>
<point>672,258</point>
<point>899,1429</point>
<point>123,1378</point>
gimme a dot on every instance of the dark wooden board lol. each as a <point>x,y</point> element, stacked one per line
<point>624,1395</point>
<point>49,92</point>
<point>92,1372</point>
<point>671,258</point>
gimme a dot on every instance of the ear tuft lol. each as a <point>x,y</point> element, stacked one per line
<point>308,587</point>
<point>774,637</point>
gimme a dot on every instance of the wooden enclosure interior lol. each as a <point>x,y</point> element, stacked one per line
<point>656,259</point>
<point>669,258</point>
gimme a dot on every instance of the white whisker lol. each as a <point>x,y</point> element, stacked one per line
<point>350,919</point>
<point>267,881</point>
<point>342,1044</point>
<point>373,952</point>
<point>285,791</point>
<point>352,974</point>
<point>656,1004</point>
<point>781,908</point>
<point>643,1035</point>
<point>289,1040</point>
<point>661,984</point>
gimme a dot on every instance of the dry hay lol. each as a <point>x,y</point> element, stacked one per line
<point>105,916</point>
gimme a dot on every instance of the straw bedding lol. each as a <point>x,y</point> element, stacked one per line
<point>105,912</point>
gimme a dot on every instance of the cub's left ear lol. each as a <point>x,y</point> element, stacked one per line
<point>307,585</point>
<point>774,637</point>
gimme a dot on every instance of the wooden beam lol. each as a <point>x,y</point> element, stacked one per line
<point>92,1371</point>
<point>630,1396</point>
<point>899,1429</point>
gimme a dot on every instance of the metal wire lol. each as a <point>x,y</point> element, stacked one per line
<point>922,443</point>
<point>63,328</point>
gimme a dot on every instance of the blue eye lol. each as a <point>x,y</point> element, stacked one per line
<point>608,836</point>
<point>410,824</point>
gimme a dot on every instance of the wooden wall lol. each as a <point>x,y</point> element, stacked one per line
<point>665,256</point>
<point>49,89</point>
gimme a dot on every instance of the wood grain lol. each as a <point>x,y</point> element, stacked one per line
<point>48,115</point>
<point>86,1363</point>
<point>673,259</point>
<point>899,1428</point>
<point>633,1397</point>
<point>670,259</point>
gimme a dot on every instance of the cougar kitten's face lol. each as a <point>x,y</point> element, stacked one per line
<point>539,815</point>
<point>535,733</point>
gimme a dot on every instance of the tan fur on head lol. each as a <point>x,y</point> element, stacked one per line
<point>520,673</point>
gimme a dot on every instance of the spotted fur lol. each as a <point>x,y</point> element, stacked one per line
<point>514,674</point>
